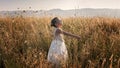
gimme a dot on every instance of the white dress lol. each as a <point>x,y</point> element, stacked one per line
<point>57,52</point>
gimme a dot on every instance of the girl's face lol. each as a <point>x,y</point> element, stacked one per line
<point>58,25</point>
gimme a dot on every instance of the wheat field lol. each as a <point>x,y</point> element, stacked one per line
<point>25,41</point>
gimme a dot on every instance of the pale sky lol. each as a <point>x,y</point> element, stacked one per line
<point>57,4</point>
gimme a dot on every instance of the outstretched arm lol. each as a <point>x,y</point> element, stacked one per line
<point>68,34</point>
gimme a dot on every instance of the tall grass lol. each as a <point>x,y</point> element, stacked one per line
<point>24,42</point>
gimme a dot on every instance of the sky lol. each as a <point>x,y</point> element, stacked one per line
<point>57,4</point>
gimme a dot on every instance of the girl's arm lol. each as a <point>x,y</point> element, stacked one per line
<point>68,34</point>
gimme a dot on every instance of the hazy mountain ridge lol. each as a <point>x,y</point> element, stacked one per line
<point>86,12</point>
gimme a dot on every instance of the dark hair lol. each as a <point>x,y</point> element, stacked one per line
<point>54,21</point>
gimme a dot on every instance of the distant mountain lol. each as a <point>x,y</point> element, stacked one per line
<point>86,12</point>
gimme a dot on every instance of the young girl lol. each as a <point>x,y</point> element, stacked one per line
<point>58,52</point>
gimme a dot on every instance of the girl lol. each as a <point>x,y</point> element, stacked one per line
<point>58,52</point>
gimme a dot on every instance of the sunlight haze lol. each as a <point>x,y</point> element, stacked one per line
<point>57,4</point>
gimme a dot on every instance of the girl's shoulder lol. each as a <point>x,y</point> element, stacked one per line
<point>58,30</point>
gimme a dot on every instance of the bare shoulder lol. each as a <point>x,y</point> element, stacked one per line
<point>59,31</point>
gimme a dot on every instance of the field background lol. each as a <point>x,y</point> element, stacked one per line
<point>24,42</point>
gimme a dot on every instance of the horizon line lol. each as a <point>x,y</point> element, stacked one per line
<point>56,9</point>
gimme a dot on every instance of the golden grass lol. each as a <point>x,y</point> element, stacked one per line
<point>24,42</point>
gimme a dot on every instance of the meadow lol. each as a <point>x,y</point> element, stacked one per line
<point>25,41</point>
